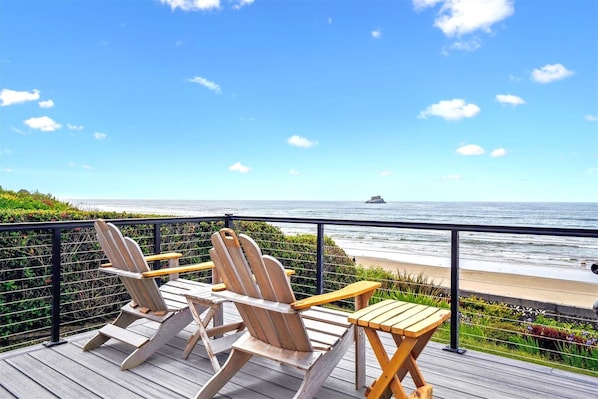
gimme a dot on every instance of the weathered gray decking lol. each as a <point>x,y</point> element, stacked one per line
<point>65,371</point>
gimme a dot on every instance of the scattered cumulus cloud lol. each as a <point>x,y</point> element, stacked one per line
<point>470,149</point>
<point>242,3</point>
<point>377,34</point>
<point>509,99</point>
<point>452,110</point>
<point>192,5</point>
<point>451,177</point>
<point>239,167</point>
<point>204,5</point>
<point>7,170</point>
<point>550,72</point>
<point>43,123</point>
<point>10,97</point>
<point>46,104</point>
<point>206,83</point>
<point>591,118</point>
<point>457,18</point>
<point>99,136</point>
<point>464,45</point>
<point>294,172</point>
<point>74,127</point>
<point>385,173</point>
<point>302,142</point>
<point>460,17</point>
<point>499,152</point>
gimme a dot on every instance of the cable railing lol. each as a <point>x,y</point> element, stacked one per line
<point>50,286</point>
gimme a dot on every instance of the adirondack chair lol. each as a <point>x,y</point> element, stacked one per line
<point>279,328</point>
<point>165,305</point>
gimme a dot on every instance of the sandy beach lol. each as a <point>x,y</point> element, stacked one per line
<point>561,292</point>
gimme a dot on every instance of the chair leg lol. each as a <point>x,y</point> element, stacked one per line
<point>167,330</point>
<point>321,369</point>
<point>235,361</point>
<point>122,320</point>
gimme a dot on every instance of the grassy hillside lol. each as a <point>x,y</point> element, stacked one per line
<point>23,199</point>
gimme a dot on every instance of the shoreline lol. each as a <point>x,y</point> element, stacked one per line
<point>542,289</point>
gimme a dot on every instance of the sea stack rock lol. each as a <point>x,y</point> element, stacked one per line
<point>376,199</point>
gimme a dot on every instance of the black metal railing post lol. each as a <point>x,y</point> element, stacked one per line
<point>320,260</point>
<point>56,280</point>
<point>228,223</point>
<point>157,245</point>
<point>454,344</point>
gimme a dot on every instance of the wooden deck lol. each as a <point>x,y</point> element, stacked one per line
<point>65,371</point>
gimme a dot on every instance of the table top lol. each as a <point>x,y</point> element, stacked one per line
<point>398,317</point>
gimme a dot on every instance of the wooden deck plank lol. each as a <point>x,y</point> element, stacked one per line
<point>67,371</point>
<point>16,384</point>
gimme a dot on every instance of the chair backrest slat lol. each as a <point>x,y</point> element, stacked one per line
<point>260,277</point>
<point>125,254</point>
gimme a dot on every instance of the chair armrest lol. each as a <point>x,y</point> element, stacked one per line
<point>159,272</point>
<point>221,286</point>
<point>254,302</point>
<point>350,291</point>
<point>179,269</point>
<point>152,258</point>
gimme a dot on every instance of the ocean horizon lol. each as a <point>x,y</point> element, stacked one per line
<point>566,258</point>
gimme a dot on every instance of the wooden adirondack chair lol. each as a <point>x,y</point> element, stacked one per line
<point>166,305</point>
<point>279,327</point>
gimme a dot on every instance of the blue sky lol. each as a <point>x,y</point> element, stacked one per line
<point>423,100</point>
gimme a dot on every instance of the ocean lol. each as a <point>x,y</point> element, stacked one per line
<point>557,257</point>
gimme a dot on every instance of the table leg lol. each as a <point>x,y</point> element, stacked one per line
<point>389,367</point>
<point>410,364</point>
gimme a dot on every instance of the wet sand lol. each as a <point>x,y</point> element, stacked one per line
<point>550,290</point>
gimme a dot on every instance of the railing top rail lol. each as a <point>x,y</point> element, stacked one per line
<point>89,223</point>
<point>553,231</point>
<point>573,232</point>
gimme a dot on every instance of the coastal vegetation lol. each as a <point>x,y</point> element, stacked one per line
<point>88,298</point>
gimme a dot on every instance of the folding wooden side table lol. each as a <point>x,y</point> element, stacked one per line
<point>213,339</point>
<point>411,327</point>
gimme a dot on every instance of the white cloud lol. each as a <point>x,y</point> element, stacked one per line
<point>499,152</point>
<point>460,17</point>
<point>74,127</point>
<point>302,142</point>
<point>43,123</point>
<point>242,3</point>
<point>550,72</point>
<point>192,5</point>
<point>10,97</point>
<point>470,149</point>
<point>591,118</point>
<point>451,177</point>
<point>294,172</point>
<point>239,167</point>
<point>46,104</point>
<point>509,99</point>
<point>86,167</point>
<point>206,83</point>
<point>377,34</point>
<point>466,45</point>
<point>453,110</point>
<point>7,170</point>
<point>329,20</point>
<point>99,136</point>
<point>201,5</point>
<point>385,173</point>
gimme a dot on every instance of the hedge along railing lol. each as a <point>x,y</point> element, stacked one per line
<point>154,243</point>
